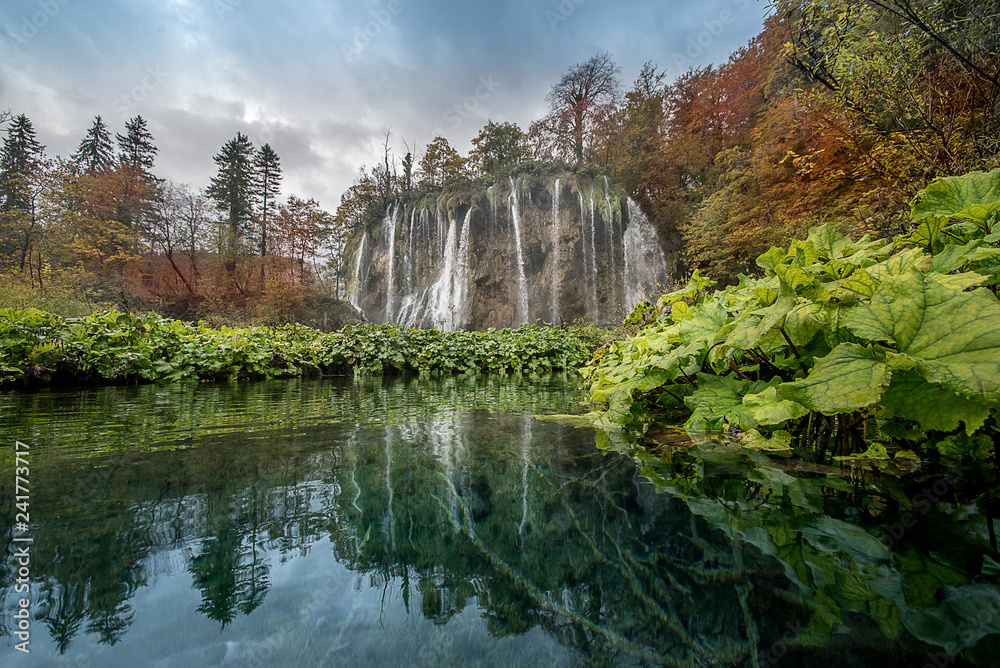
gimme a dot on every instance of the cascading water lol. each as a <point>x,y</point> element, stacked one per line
<point>596,312</point>
<point>522,288</point>
<point>467,265</point>
<point>555,254</point>
<point>645,265</point>
<point>389,228</point>
<point>356,287</point>
<point>609,228</point>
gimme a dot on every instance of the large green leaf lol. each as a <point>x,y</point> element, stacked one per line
<point>769,409</point>
<point>719,401</point>
<point>849,378</point>
<point>952,337</point>
<point>974,196</point>
<point>933,407</point>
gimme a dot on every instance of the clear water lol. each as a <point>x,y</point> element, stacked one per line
<point>447,522</point>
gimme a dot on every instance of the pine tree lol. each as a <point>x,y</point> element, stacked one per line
<point>19,157</point>
<point>268,187</point>
<point>232,188</point>
<point>95,153</point>
<point>136,147</point>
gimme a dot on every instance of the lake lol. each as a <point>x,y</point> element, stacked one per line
<point>455,521</point>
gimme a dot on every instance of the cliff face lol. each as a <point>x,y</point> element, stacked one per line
<point>522,251</point>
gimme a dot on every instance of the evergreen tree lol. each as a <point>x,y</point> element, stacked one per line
<point>268,186</point>
<point>19,157</point>
<point>232,188</point>
<point>136,147</point>
<point>95,153</point>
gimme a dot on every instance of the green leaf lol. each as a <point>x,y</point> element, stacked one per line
<point>850,378</point>
<point>974,196</point>
<point>769,409</point>
<point>719,401</point>
<point>911,397</point>
<point>779,441</point>
<point>952,337</point>
<point>771,259</point>
<point>829,241</point>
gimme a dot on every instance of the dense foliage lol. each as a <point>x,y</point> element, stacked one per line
<point>840,345</point>
<point>113,347</point>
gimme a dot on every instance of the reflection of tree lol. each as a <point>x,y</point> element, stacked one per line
<point>230,570</point>
<point>519,518</point>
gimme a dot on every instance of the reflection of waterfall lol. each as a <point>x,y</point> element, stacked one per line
<point>526,459</point>
<point>522,290</point>
<point>645,266</point>
<point>390,517</point>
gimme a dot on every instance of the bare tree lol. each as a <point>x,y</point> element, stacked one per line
<point>581,100</point>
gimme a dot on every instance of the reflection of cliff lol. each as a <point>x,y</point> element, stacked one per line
<point>422,489</point>
<point>551,248</point>
<point>520,517</point>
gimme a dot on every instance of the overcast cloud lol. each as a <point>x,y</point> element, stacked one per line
<point>322,81</point>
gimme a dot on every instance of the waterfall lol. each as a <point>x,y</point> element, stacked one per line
<point>463,272</point>
<point>356,291</point>
<point>610,234</point>
<point>645,266</point>
<point>389,228</point>
<point>415,267</point>
<point>555,287</point>
<point>522,289</point>
<point>442,300</point>
<point>596,314</point>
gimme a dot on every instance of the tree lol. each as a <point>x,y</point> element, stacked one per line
<point>95,153</point>
<point>579,105</point>
<point>135,147</point>
<point>232,188</point>
<point>499,145</point>
<point>268,186</point>
<point>20,156</point>
<point>441,163</point>
<point>20,167</point>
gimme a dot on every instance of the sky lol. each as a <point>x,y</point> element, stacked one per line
<point>322,81</point>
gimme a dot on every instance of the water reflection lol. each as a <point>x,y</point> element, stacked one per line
<point>436,522</point>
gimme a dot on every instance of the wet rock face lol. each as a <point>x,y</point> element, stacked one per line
<point>520,252</point>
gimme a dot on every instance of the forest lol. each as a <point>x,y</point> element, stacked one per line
<point>836,113</point>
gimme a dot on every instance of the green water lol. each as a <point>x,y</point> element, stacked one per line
<point>446,522</point>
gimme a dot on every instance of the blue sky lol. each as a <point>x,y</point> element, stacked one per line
<point>322,81</point>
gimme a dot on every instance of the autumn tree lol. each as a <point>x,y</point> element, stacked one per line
<point>440,163</point>
<point>499,146</point>
<point>95,152</point>
<point>580,108</point>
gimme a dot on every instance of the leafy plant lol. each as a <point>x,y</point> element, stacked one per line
<point>838,343</point>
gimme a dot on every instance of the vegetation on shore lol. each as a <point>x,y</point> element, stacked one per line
<point>38,348</point>
<point>842,347</point>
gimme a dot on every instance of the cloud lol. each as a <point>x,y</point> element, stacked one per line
<point>321,80</point>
